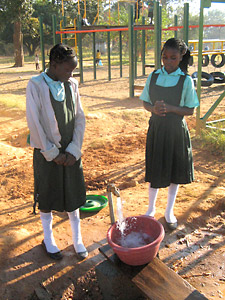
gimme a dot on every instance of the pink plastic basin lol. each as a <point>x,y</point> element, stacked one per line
<point>143,254</point>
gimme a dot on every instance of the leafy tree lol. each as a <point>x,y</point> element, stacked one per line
<point>13,11</point>
<point>214,17</point>
<point>45,9</point>
<point>7,33</point>
<point>31,36</point>
<point>48,8</point>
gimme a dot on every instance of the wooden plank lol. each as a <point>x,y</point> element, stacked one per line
<point>40,293</point>
<point>160,282</point>
<point>155,279</point>
<point>76,74</point>
<point>138,87</point>
<point>149,66</point>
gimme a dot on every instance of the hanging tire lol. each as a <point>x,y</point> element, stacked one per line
<point>219,77</point>
<point>205,60</point>
<point>191,60</point>
<point>214,61</point>
<point>209,78</point>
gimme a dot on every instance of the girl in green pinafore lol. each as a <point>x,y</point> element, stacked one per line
<point>56,122</point>
<point>169,95</point>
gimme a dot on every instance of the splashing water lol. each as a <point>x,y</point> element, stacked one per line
<point>119,209</point>
<point>135,240</point>
<point>121,223</point>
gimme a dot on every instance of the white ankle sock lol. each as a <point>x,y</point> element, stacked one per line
<point>74,217</point>
<point>152,199</point>
<point>46,219</point>
<point>172,193</point>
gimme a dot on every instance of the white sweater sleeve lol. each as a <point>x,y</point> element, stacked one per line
<point>38,137</point>
<point>76,144</point>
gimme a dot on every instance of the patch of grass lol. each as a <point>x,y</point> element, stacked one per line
<point>11,60</point>
<point>136,116</point>
<point>97,144</point>
<point>213,139</point>
<point>13,101</point>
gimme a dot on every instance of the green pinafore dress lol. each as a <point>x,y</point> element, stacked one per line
<point>168,146</point>
<point>57,187</point>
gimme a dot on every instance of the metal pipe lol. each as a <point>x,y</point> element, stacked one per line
<point>80,50</point>
<point>94,55</point>
<point>111,189</point>
<point>42,42</point>
<point>186,22</point>
<point>121,53</point>
<point>200,46</point>
<point>131,51</point>
<point>109,58</point>
<point>143,48</point>
<point>175,24</point>
<point>157,35</point>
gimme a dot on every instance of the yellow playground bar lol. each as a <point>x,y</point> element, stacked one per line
<point>210,47</point>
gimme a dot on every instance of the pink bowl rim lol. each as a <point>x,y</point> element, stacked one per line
<point>125,249</point>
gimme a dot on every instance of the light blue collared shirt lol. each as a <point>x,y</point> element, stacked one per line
<point>56,87</point>
<point>189,97</point>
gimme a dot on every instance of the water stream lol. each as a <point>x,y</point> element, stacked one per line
<point>121,222</point>
<point>133,239</point>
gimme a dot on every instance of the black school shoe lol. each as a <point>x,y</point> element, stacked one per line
<point>55,256</point>
<point>171,226</point>
<point>82,255</point>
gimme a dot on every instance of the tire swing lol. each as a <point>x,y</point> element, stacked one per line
<point>205,60</point>
<point>219,77</point>
<point>214,62</point>
<point>209,78</point>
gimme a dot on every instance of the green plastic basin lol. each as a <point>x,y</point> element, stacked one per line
<point>94,203</point>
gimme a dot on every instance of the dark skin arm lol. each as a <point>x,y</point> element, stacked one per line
<point>161,109</point>
<point>65,159</point>
<point>70,159</point>
<point>60,159</point>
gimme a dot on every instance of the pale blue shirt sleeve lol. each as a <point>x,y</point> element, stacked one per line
<point>145,93</point>
<point>189,96</point>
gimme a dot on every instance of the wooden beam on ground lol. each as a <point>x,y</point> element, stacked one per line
<point>138,87</point>
<point>149,65</point>
<point>76,74</point>
<point>155,279</point>
<point>40,293</point>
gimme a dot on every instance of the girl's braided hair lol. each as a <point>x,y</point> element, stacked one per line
<point>61,53</point>
<point>181,46</point>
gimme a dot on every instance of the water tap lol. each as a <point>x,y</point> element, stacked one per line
<point>111,188</point>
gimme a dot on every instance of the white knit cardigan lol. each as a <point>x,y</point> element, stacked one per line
<point>44,132</point>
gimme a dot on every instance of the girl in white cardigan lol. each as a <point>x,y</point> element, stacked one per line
<point>56,122</point>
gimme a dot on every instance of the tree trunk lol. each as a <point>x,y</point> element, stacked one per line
<point>18,45</point>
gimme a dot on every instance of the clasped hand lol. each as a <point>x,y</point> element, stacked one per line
<point>160,108</point>
<point>65,159</point>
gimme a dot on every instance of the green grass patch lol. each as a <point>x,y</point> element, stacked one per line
<point>11,60</point>
<point>133,115</point>
<point>13,101</point>
<point>213,139</point>
<point>98,144</point>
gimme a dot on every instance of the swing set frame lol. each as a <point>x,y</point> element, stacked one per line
<point>201,122</point>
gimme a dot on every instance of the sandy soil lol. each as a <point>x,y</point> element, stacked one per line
<point>113,151</point>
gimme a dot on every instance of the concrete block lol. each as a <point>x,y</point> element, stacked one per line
<point>114,285</point>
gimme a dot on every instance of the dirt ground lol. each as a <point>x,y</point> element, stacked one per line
<point>113,152</point>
